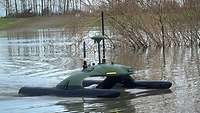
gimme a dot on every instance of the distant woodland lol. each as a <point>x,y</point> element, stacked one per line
<point>141,23</point>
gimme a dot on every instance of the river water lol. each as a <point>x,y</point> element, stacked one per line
<point>45,57</point>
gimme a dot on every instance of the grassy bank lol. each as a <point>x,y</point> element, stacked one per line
<point>7,23</point>
<point>47,22</point>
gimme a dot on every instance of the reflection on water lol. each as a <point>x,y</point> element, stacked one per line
<point>44,57</point>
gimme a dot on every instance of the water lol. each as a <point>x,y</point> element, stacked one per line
<point>45,57</point>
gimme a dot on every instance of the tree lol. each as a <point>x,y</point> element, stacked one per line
<point>7,7</point>
<point>16,8</point>
<point>42,6</point>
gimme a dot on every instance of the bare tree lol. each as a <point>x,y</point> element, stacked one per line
<point>42,7</point>
<point>16,8</point>
<point>7,7</point>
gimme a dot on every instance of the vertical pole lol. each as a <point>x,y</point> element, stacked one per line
<point>102,21</point>
<point>99,52</point>
<point>84,56</point>
<point>84,50</point>
<point>103,33</point>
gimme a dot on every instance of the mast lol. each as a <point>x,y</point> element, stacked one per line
<point>84,56</point>
<point>103,33</point>
<point>98,39</point>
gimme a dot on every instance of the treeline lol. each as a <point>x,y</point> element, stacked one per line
<point>26,8</point>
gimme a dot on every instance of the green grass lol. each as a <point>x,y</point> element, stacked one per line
<point>7,23</point>
<point>48,22</point>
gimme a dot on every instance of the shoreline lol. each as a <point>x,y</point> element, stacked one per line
<point>32,23</point>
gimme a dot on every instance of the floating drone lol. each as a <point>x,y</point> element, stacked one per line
<point>75,84</point>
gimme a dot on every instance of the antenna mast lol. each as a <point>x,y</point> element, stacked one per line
<point>84,56</point>
<point>103,33</point>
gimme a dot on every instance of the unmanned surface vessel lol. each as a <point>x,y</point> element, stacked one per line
<point>75,85</point>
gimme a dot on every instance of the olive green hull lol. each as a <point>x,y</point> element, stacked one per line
<point>91,93</point>
<point>139,84</point>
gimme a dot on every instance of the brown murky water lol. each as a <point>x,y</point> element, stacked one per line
<point>45,57</point>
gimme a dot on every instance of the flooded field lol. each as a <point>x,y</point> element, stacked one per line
<point>45,57</point>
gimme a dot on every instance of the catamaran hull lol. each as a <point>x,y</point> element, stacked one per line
<point>91,93</point>
<point>140,84</point>
<point>144,84</point>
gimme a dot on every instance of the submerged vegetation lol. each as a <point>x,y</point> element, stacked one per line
<point>140,23</point>
<point>158,23</point>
